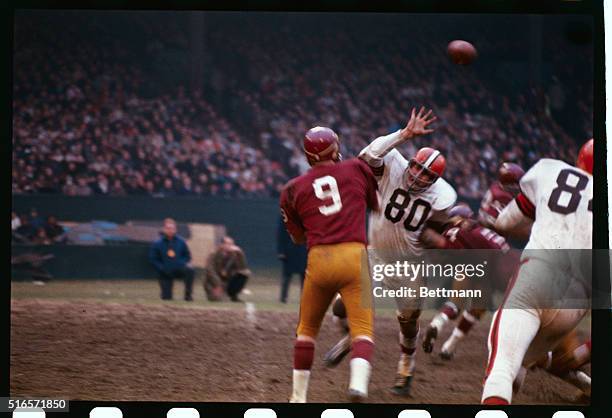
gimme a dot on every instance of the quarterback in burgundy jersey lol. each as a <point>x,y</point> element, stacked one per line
<point>326,208</point>
<point>327,204</point>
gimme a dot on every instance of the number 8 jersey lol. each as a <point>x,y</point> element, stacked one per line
<point>558,197</point>
<point>328,203</point>
<point>396,229</point>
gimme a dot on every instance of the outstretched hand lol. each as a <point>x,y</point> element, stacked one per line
<point>418,123</point>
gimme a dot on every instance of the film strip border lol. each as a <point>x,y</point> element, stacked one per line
<point>311,411</point>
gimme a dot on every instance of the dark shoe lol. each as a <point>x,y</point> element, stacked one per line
<point>402,385</point>
<point>404,375</point>
<point>236,299</point>
<point>188,299</point>
<point>430,338</point>
<point>335,355</point>
<point>357,397</point>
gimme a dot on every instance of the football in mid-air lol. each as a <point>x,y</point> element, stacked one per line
<point>462,52</point>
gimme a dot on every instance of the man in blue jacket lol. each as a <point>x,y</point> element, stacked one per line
<point>171,258</point>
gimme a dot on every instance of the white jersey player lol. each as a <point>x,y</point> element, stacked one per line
<point>408,200</point>
<point>410,194</point>
<point>555,202</point>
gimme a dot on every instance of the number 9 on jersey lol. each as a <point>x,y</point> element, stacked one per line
<point>326,188</point>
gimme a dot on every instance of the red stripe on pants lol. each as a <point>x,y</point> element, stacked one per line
<point>495,330</point>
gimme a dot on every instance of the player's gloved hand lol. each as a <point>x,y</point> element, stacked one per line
<point>418,123</point>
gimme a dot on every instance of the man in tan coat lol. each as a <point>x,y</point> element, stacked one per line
<point>226,271</point>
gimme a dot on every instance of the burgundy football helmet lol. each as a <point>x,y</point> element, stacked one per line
<point>462,210</point>
<point>585,157</point>
<point>461,215</point>
<point>509,175</point>
<point>321,144</point>
<point>424,169</point>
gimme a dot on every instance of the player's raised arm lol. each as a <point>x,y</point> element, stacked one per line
<point>418,125</point>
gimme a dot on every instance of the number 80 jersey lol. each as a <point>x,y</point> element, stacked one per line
<point>328,203</point>
<point>559,198</point>
<point>396,229</point>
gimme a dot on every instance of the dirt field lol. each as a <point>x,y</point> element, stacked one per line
<point>88,350</point>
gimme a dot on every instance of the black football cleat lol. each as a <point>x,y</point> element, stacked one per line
<point>402,385</point>
<point>356,396</point>
<point>430,339</point>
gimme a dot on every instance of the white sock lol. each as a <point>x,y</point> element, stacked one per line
<point>581,380</point>
<point>439,321</point>
<point>406,364</point>
<point>300,386</point>
<point>457,334</point>
<point>360,375</point>
<point>450,344</point>
<point>469,317</point>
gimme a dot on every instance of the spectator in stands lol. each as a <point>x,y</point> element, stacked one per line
<point>35,220</point>
<point>83,188</point>
<point>171,258</point>
<point>40,238</point>
<point>54,230</point>
<point>226,270</point>
<point>293,258</point>
<point>15,221</point>
<point>25,232</point>
<point>101,185</point>
<point>117,188</point>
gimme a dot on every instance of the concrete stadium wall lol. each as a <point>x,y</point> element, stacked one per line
<point>90,261</point>
<point>252,223</point>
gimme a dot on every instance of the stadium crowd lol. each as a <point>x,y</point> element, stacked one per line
<point>84,122</point>
<point>34,229</point>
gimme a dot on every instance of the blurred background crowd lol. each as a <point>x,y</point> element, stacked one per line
<point>217,104</point>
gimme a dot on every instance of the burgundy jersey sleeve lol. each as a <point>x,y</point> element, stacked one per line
<point>500,195</point>
<point>502,264</point>
<point>475,238</point>
<point>290,215</point>
<point>495,200</point>
<point>371,185</point>
<point>451,235</point>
